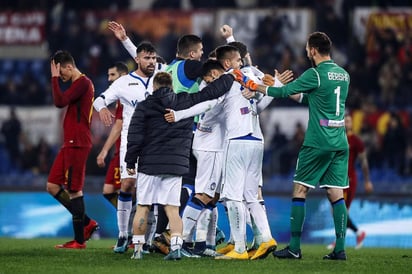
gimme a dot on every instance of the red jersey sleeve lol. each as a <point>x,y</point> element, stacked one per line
<point>79,101</point>
<point>72,94</point>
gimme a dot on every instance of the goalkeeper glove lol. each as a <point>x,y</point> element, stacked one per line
<point>250,85</point>
<point>238,75</point>
<point>244,80</point>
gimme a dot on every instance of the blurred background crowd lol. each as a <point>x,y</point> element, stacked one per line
<point>380,65</point>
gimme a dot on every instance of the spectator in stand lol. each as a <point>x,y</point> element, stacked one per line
<point>12,130</point>
<point>28,160</point>
<point>394,144</point>
<point>389,78</point>
<point>276,152</point>
<point>44,156</point>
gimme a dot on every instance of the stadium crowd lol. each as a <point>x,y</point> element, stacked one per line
<point>381,75</point>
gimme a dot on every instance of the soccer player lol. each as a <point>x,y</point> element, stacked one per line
<point>356,152</point>
<point>242,171</point>
<point>207,147</point>
<point>323,157</point>
<point>66,178</point>
<point>112,182</point>
<point>130,89</point>
<point>185,71</point>
<point>162,151</point>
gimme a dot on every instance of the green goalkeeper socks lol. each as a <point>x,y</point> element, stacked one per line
<point>297,218</point>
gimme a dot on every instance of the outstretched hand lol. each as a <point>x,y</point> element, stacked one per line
<point>284,77</point>
<point>118,30</point>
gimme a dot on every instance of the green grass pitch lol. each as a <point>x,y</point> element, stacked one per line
<point>40,256</point>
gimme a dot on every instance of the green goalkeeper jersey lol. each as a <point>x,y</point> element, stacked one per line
<point>325,89</point>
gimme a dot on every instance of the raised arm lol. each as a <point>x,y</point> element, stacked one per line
<point>227,32</point>
<point>120,33</point>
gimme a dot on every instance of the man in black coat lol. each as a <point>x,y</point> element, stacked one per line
<point>162,150</point>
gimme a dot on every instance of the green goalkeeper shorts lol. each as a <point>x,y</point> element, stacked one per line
<point>328,168</point>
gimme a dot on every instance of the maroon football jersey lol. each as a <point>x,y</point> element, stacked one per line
<point>79,101</point>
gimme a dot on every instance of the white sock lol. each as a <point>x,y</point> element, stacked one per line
<point>176,242</point>
<point>257,239</point>
<point>138,241</point>
<point>189,218</point>
<point>211,231</point>
<point>202,225</point>
<point>236,214</point>
<point>260,219</point>
<point>123,215</point>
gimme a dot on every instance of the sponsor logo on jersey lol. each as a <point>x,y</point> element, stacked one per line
<point>244,110</point>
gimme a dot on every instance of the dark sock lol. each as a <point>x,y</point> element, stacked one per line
<point>78,219</point>
<point>64,199</point>
<point>340,217</point>
<point>297,217</point>
<point>112,198</point>
<point>200,246</point>
<point>351,225</point>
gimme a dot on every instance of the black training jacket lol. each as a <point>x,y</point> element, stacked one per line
<point>163,148</point>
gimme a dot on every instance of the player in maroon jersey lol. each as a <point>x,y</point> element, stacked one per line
<point>356,152</point>
<point>66,178</point>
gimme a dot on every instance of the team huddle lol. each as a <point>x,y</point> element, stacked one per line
<point>188,136</point>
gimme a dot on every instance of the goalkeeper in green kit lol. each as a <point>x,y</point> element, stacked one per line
<point>323,157</point>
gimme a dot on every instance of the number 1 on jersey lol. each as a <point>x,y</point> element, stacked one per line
<point>337,92</point>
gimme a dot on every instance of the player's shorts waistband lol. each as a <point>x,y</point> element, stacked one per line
<point>247,137</point>
<point>332,123</point>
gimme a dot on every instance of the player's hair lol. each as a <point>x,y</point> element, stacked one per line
<point>63,57</point>
<point>121,67</point>
<point>186,44</point>
<point>225,52</point>
<point>209,65</point>
<point>162,79</point>
<point>146,47</point>
<point>240,46</point>
<point>321,42</point>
